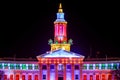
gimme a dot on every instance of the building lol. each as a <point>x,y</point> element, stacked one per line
<point>60,63</point>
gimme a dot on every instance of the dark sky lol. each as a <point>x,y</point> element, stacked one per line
<point>26,27</point>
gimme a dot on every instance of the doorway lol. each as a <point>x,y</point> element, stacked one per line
<point>60,78</point>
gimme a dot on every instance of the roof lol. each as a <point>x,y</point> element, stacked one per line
<point>60,53</point>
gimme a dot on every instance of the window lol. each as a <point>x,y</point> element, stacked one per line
<point>109,66</point>
<point>97,77</point>
<point>5,77</point>
<point>36,77</point>
<point>84,66</point>
<point>17,66</point>
<point>29,66</point>
<point>103,66</point>
<point>5,66</point>
<point>1,66</point>
<point>23,66</point>
<point>44,67</point>
<point>60,67</point>
<point>96,66</point>
<point>76,76</point>
<point>36,67</point>
<point>91,66</point>
<point>103,77</point>
<point>11,66</point>
<point>91,77</point>
<point>76,67</point>
<point>29,77</point>
<point>51,66</point>
<point>84,77</point>
<point>23,77</point>
<point>109,77</point>
<point>44,76</point>
<point>114,66</point>
<point>17,77</point>
<point>68,66</point>
<point>11,77</point>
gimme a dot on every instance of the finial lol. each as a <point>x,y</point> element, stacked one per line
<point>60,6</point>
<point>60,10</point>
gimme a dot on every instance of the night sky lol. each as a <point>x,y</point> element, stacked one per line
<point>26,27</point>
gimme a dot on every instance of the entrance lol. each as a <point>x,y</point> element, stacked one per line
<point>60,78</point>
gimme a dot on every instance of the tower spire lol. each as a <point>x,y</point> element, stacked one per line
<point>60,10</point>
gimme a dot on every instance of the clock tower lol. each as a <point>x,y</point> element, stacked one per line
<point>60,32</point>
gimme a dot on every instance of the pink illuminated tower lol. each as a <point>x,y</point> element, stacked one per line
<point>60,27</point>
<point>60,32</point>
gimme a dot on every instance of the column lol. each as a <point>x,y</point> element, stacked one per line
<point>80,68</point>
<point>40,67</point>
<point>64,73</point>
<point>48,71</point>
<point>56,71</point>
<point>72,68</point>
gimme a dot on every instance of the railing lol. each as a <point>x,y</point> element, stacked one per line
<point>102,59</point>
<point>18,59</point>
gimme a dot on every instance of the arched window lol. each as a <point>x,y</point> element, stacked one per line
<point>17,77</point>
<point>36,77</point>
<point>11,77</point>
<point>91,77</point>
<point>84,77</point>
<point>97,77</point>
<point>109,77</point>
<point>23,77</point>
<point>29,77</point>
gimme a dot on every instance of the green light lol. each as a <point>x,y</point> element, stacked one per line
<point>23,66</point>
<point>103,66</point>
<point>1,67</point>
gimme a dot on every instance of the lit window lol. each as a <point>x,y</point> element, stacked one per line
<point>97,77</point>
<point>109,66</point>
<point>109,77</point>
<point>91,66</point>
<point>36,67</point>
<point>17,66</point>
<point>60,67</point>
<point>1,67</point>
<point>91,77</point>
<point>23,77</point>
<point>103,66</point>
<point>84,77</point>
<point>11,66</point>
<point>5,66</point>
<point>96,66</point>
<point>84,66</point>
<point>115,66</point>
<point>23,66</point>
<point>29,66</point>
<point>36,77</point>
